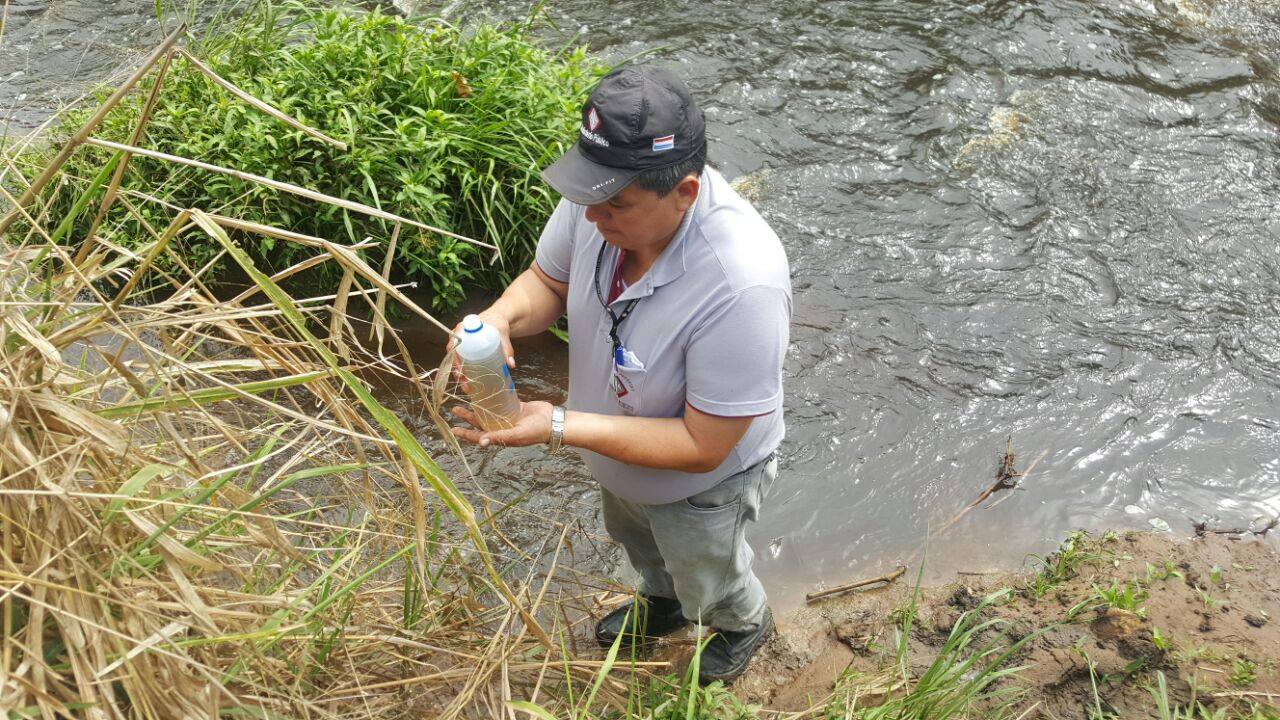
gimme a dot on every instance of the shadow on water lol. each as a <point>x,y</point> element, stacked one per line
<point>1055,221</point>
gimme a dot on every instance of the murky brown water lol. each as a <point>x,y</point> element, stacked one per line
<point>1052,220</point>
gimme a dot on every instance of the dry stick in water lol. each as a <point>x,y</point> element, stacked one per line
<point>338,315</point>
<point>1202,529</point>
<point>841,589</point>
<point>1006,478</point>
<point>82,135</point>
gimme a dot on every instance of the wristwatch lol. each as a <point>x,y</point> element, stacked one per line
<point>557,429</point>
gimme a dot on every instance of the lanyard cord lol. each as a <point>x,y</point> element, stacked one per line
<point>615,320</point>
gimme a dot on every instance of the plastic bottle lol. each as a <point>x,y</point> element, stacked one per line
<point>488,380</point>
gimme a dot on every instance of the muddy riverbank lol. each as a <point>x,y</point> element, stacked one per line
<point>1101,620</point>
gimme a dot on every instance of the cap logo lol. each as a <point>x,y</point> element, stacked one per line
<point>593,137</point>
<point>664,143</point>
<point>593,120</point>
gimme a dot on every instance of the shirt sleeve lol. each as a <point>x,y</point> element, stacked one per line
<point>555,247</point>
<point>733,363</point>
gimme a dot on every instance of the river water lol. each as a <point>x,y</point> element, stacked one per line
<point>1055,221</point>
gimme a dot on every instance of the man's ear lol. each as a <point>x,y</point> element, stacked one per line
<point>687,192</point>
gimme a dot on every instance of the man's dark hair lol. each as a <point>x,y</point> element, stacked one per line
<point>662,180</point>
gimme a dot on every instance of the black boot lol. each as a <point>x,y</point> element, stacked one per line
<point>727,652</point>
<point>657,616</point>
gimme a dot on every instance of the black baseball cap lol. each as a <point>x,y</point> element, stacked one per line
<point>637,118</point>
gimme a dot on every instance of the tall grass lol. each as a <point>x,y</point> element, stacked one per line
<point>441,124</point>
<point>204,511</point>
<point>969,677</point>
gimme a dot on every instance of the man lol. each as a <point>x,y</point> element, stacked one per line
<point>678,299</point>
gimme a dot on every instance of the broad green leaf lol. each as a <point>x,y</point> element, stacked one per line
<point>132,487</point>
<point>205,396</point>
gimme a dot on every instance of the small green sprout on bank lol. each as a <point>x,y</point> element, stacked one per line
<point>1244,673</point>
<point>1215,575</point>
<point>1123,596</point>
<point>1158,639</point>
<point>1210,602</point>
<point>1167,570</point>
<point>1194,652</point>
<point>1076,552</point>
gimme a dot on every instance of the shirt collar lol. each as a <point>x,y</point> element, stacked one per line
<point>671,263</point>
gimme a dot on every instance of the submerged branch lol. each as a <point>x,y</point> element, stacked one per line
<point>847,587</point>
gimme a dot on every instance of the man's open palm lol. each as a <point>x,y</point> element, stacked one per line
<point>533,427</point>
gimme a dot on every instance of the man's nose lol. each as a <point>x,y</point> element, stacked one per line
<point>596,213</point>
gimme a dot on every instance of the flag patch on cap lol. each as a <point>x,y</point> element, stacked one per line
<point>666,142</point>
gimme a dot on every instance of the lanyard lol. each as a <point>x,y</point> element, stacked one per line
<point>614,319</point>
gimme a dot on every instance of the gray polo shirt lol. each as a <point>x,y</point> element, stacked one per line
<point>710,329</point>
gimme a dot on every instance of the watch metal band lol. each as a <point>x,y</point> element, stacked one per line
<point>557,428</point>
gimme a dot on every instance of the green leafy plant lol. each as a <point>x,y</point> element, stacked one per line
<point>1165,571</point>
<point>1215,575</point>
<point>1244,673</point>
<point>444,125</point>
<point>967,673</point>
<point>1123,596</point>
<point>1127,596</point>
<point>1210,602</point>
<point>1159,640</point>
<point>1064,564</point>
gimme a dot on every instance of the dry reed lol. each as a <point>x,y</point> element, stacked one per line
<point>204,510</point>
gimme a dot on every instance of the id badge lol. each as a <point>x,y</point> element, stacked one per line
<point>628,372</point>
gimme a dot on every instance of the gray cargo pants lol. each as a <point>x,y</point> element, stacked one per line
<point>695,550</point>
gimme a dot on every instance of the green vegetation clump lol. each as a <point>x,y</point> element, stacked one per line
<point>444,125</point>
<point>1122,596</point>
<point>1064,564</point>
<point>1243,673</point>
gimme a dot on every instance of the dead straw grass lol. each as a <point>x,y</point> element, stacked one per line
<point>203,508</point>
